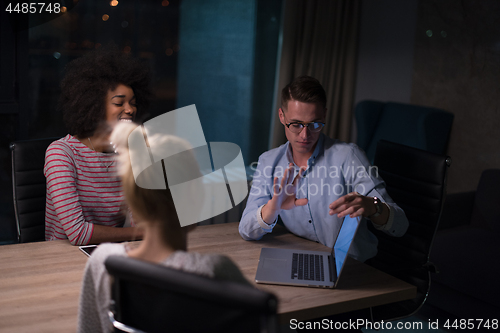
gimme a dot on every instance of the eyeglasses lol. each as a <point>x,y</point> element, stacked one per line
<point>297,126</point>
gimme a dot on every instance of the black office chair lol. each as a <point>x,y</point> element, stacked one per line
<point>28,183</point>
<point>154,298</point>
<point>416,180</point>
<point>411,125</point>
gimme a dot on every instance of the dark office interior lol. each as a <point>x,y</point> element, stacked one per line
<point>228,56</point>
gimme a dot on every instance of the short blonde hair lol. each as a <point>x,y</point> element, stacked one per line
<point>147,205</point>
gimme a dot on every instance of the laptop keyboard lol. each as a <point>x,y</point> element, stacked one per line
<point>308,267</point>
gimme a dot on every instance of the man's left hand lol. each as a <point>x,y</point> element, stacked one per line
<point>354,205</point>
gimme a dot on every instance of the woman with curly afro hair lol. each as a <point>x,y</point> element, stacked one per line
<point>84,200</point>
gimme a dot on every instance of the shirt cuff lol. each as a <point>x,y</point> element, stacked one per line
<point>266,227</point>
<point>389,223</point>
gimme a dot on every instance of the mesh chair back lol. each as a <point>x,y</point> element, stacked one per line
<point>416,180</point>
<point>154,298</point>
<point>28,183</point>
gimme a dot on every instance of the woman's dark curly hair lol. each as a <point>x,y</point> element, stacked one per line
<point>87,82</point>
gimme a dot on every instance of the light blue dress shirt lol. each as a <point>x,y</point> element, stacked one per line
<point>333,170</point>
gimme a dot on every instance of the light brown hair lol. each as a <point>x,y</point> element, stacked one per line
<point>305,89</point>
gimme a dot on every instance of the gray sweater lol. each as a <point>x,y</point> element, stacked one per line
<point>96,291</point>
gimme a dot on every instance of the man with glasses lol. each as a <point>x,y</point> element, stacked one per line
<point>313,181</point>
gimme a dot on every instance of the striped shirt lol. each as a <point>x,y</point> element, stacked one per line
<point>83,188</point>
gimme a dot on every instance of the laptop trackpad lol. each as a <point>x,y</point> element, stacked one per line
<point>273,269</point>
<point>278,265</point>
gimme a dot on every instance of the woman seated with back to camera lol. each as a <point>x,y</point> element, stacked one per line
<point>84,200</point>
<point>165,241</point>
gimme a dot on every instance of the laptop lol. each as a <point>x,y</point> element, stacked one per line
<point>308,268</point>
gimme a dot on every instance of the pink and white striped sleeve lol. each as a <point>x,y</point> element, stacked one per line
<point>60,173</point>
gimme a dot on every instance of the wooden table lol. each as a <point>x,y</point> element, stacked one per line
<point>40,282</point>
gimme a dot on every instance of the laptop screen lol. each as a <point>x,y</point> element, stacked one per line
<point>343,242</point>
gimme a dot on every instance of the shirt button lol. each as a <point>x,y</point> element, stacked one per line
<point>310,221</point>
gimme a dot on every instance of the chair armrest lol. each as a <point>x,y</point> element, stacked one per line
<point>121,327</point>
<point>457,210</point>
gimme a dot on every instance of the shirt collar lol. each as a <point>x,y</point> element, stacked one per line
<point>317,150</point>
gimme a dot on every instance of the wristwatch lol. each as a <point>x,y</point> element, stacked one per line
<point>378,205</point>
